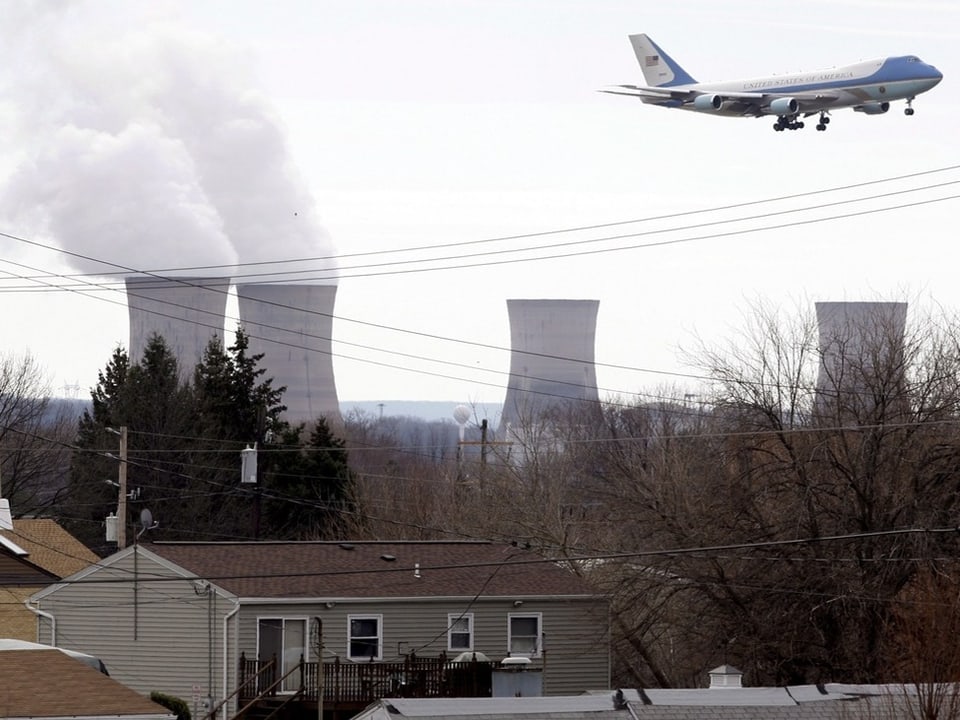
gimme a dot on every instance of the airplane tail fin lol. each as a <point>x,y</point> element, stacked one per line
<point>659,69</point>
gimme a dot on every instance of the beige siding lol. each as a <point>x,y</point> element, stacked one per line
<point>575,631</point>
<point>153,634</point>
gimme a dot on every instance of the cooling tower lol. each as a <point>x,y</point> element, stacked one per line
<point>861,348</point>
<point>292,326</point>
<point>552,357</point>
<point>186,311</point>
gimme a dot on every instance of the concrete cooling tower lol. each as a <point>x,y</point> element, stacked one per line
<point>292,326</point>
<point>859,342</point>
<point>552,360</point>
<point>186,311</point>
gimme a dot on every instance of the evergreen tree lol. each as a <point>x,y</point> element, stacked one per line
<point>309,486</point>
<point>157,408</point>
<point>234,400</point>
<point>184,447</point>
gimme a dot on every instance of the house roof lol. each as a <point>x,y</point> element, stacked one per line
<point>15,620</point>
<point>366,570</point>
<point>49,546</point>
<point>49,684</point>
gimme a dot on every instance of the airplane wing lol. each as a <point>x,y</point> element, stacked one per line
<point>746,103</point>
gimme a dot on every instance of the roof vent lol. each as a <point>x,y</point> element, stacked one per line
<point>726,676</point>
<point>388,558</point>
<point>347,546</point>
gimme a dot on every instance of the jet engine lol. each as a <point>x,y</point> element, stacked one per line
<point>784,106</point>
<point>873,108</point>
<point>707,102</point>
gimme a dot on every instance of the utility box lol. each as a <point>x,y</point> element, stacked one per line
<point>515,678</point>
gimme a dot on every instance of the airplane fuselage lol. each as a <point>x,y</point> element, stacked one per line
<point>856,85</point>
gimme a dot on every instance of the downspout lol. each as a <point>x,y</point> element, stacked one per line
<point>226,665</point>
<point>41,614</point>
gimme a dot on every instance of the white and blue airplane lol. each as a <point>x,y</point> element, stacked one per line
<point>867,87</point>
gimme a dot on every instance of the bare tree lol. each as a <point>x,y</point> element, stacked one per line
<point>34,437</point>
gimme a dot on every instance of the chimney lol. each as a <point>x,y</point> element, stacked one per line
<point>6,517</point>
<point>725,676</point>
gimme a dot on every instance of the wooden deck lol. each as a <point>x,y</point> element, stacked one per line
<point>348,687</point>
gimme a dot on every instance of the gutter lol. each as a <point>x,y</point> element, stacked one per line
<point>226,664</point>
<point>51,618</point>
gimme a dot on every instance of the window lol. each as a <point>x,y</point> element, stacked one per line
<point>460,632</point>
<point>523,635</point>
<point>364,641</point>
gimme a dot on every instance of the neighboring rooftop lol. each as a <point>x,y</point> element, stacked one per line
<point>49,684</point>
<point>875,702</point>
<point>49,546</point>
<point>373,569</point>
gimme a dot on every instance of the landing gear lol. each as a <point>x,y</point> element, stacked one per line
<point>787,122</point>
<point>824,121</point>
<point>909,108</point>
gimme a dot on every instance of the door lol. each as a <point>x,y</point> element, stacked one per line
<point>285,639</point>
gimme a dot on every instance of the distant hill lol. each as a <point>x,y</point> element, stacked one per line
<point>430,410</point>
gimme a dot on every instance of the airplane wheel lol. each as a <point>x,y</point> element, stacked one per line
<point>821,127</point>
<point>778,127</point>
<point>826,121</point>
<point>800,126</point>
<point>908,111</point>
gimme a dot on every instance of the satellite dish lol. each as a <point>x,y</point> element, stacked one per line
<point>146,519</point>
<point>461,413</point>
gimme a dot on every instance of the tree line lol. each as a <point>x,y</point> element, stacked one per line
<point>790,518</point>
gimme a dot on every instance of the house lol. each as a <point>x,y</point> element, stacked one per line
<point>189,619</point>
<point>33,553</point>
<point>46,683</point>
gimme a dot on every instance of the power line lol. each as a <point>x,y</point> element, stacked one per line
<point>567,230</point>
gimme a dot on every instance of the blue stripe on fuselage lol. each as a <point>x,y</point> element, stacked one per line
<point>895,69</point>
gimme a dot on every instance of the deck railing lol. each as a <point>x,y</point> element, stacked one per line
<point>363,682</point>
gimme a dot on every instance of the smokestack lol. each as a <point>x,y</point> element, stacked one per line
<point>292,326</point>
<point>861,345</point>
<point>552,360</point>
<point>187,312</point>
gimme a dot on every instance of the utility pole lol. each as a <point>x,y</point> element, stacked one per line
<point>122,500</point>
<point>483,451</point>
<point>122,529</point>
<point>319,627</point>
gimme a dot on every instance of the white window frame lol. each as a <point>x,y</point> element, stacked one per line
<point>539,638</point>
<point>369,616</point>
<point>452,620</point>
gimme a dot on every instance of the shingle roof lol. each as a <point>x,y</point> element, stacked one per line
<point>359,570</point>
<point>49,684</point>
<point>50,547</point>
<point>15,620</point>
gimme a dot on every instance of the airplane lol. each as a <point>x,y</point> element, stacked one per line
<point>867,87</point>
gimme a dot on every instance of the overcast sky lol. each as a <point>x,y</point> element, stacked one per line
<point>357,127</point>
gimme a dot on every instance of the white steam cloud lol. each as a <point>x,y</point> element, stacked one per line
<point>150,148</point>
